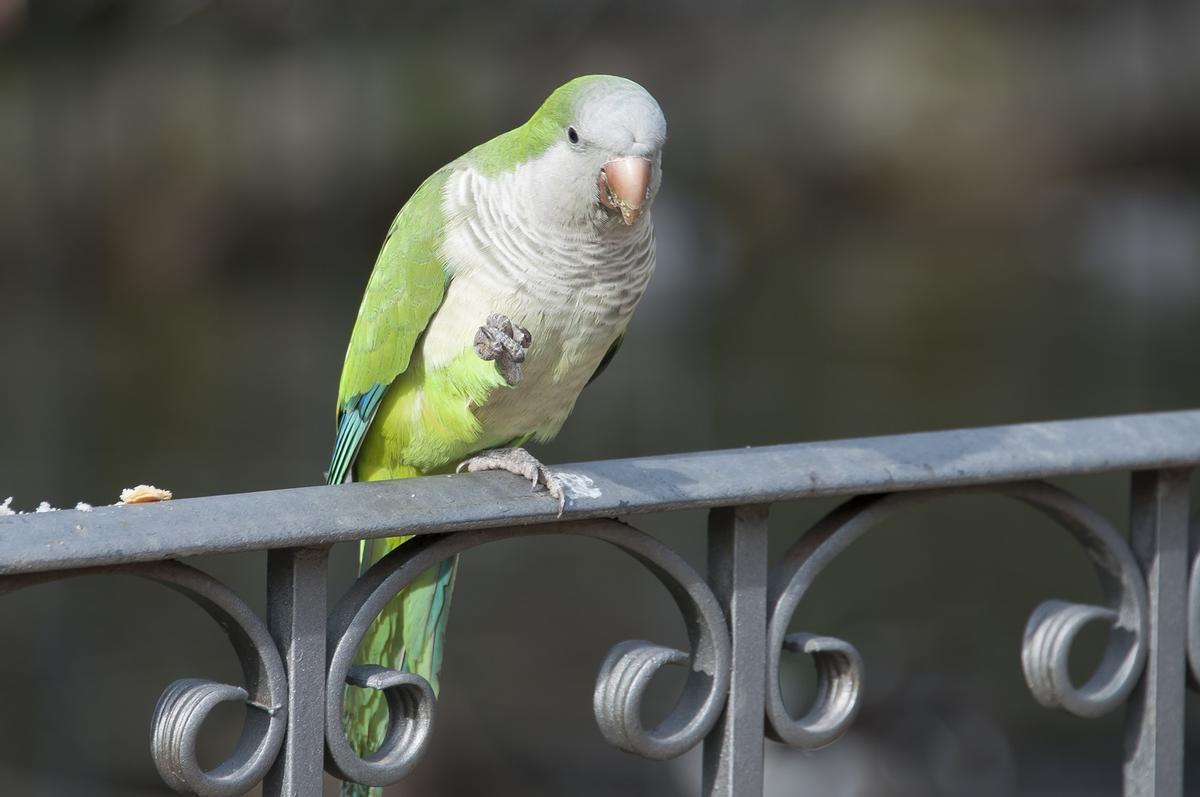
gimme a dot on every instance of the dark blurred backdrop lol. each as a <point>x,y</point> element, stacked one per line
<point>876,218</point>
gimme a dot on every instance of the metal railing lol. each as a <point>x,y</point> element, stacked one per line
<point>298,660</point>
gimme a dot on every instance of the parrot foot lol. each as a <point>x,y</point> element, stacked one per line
<point>522,463</point>
<point>501,340</point>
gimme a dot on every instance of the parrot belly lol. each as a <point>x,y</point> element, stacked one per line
<point>570,335</point>
<point>446,407</point>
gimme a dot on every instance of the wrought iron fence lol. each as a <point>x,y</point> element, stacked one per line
<point>297,662</point>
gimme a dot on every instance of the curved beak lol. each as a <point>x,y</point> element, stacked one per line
<point>624,183</point>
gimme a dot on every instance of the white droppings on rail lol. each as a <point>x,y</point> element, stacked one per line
<point>577,485</point>
<point>6,508</point>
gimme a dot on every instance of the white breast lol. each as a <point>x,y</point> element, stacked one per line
<point>573,290</point>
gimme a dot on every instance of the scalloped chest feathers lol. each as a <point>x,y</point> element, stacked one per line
<point>573,290</point>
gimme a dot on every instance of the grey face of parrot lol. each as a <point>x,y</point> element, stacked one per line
<point>615,141</point>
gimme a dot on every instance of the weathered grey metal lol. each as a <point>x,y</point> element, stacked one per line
<point>297,666</point>
<point>1053,625</point>
<point>1193,633</point>
<point>1048,635</point>
<point>187,702</point>
<point>318,516</point>
<point>737,570</point>
<point>1154,724</point>
<point>410,703</point>
<point>297,612</point>
<point>620,687</point>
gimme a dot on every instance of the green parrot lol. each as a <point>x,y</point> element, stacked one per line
<point>503,287</point>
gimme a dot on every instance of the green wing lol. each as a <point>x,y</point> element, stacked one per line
<point>405,289</point>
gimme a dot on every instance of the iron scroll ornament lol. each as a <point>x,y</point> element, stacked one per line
<point>1049,633</point>
<point>621,683</point>
<point>1193,607</point>
<point>186,703</point>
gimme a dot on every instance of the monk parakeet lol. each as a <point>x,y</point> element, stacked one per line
<point>504,286</point>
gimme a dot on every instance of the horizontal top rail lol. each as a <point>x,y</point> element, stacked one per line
<point>316,516</point>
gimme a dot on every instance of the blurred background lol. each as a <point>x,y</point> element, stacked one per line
<point>876,218</point>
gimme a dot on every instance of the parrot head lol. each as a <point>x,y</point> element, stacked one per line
<point>602,161</point>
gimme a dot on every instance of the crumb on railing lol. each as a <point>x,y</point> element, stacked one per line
<point>144,494</point>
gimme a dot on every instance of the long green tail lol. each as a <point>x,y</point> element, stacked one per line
<point>409,634</point>
<point>359,790</point>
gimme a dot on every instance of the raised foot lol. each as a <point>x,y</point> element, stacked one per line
<point>501,340</point>
<point>522,463</point>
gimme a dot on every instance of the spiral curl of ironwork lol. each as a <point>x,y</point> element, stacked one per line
<point>1193,610</point>
<point>187,702</point>
<point>621,683</point>
<point>1049,633</point>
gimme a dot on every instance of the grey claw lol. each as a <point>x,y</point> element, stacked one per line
<point>522,463</point>
<point>554,486</point>
<point>511,371</point>
<point>500,322</point>
<point>501,340</point>
<point>489,344</point>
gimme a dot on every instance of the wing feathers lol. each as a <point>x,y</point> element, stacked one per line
<point>406,287</point>
<point>352,430</point>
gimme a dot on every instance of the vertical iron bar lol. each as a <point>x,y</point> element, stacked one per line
<point>1154,723</point>
<point>737,571</point>
<point>296,617</point>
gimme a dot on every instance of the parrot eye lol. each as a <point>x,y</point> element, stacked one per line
<point>572,135</point>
